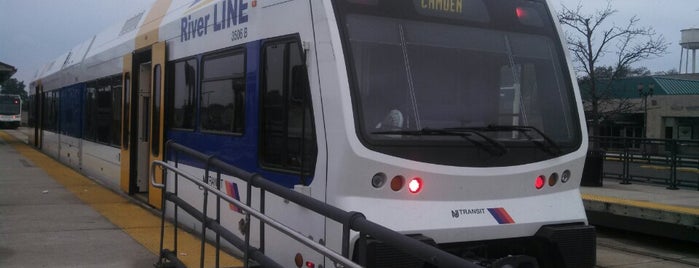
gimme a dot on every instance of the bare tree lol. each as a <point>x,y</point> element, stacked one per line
<point>590,39</point>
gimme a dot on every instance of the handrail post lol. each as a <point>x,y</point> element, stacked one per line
<point>673,167</point>
<point>346,228</point>
<point>646,143</point>
<point>162,223</point>
<point>246,226</point>
<point>626,162</point>
<point>203,228</point>
<point>207,175</point>
<point>362,248</point>
<point>218,219</point>
<point>205,210</point>
<point>262,223</point>
<point>345,240</point>
<point>175,213</point>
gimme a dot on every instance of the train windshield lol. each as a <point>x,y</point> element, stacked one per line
<point>459,82</point>
<point>9,105</point>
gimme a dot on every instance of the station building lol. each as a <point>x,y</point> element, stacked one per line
<point>662,107</point>
<point>6,71</point>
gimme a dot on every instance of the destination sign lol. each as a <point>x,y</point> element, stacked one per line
<point>469,10</point>
<point>451,6</point>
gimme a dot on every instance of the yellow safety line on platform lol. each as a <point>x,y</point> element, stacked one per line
<point>685,169</point>
<point>641,204</point>
<point>142,225</point>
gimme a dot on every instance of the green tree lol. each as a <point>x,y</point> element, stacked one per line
<point>610,73</point>
<point>12,86</point>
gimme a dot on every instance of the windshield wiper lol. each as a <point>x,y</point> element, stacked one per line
<point>496,148</point>
<point>548,145</point>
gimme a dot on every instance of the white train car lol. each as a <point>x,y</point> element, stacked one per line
<point>10,110</point>
<point>456,121</point>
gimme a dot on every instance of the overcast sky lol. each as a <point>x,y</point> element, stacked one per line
<point>33,32</point>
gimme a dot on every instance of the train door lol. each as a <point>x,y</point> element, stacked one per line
<point>157,130</point>
<point>142,140</point>
<point>125,155</point>
<point>143,126</point>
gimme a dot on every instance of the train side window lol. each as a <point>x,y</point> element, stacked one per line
<point>287,139</point>
<point>126,100</point>
<point>46,105</point>
<point>54,110</point>
<point>181,100</point>
<point>46,118</point>
<point>102,113</point>
<point>103,106</point>
<point>90,129</point>
<point>116,113</point>
<point>222,97</point>
<point>50,120</point>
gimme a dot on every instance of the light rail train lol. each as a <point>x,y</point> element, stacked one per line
<point>455,121</point>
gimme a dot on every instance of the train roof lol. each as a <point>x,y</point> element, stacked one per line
<point>102,54</point>
<point>190,27</point>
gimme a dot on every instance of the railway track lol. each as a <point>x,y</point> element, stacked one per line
<point>618,248</point>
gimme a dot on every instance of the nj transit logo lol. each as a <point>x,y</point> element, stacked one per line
<point>499,214</point>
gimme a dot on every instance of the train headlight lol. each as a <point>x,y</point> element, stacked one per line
<point>540,181</point>
<point>378,180</point>
<point>565,176</point>
<point>415,185</point>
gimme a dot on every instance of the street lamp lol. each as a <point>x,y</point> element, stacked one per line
<point>645,94</point>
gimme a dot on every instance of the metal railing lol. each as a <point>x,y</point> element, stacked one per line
<point>351,221</point>
<point>673,163</point>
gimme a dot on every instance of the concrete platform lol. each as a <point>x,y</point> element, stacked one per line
<point>649,209</point>
<point>42,224</point>
<point>52,216</point>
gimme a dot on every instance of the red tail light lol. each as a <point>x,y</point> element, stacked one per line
<point>540,181</point>
<point>415,185</point>
<point>521,12</point>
